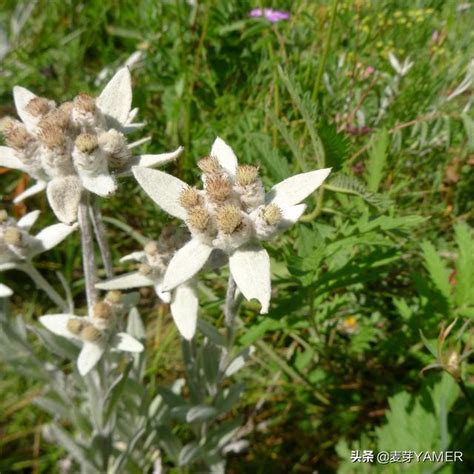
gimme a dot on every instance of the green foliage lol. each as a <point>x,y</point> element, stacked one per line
<point>383,254</point>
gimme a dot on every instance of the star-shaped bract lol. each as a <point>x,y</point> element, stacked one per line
<point>78,145</point>
<point>232,213</point>
<point>97,332</point>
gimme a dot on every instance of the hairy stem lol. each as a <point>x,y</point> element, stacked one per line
<point>87,246</point>
<point>43,284</point>
<point>101,238</point>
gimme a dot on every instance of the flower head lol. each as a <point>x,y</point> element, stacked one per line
<point>18,246</point>
<point>232,213</point>
<point>153,261</point>
<point>75,146</point>
<point>97,332</point>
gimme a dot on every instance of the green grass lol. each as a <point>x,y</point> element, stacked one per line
<point>343,335</point>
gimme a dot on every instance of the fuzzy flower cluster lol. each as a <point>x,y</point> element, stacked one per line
<point>18,246</point>
<point>79,144</point>
<point>97,332</point>
<point>231,214</point>
<point>153,261</point>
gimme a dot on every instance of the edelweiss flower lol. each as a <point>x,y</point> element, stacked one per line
<point>232,213</point>
<point>18,247</point>
<point>97,332</point>
<point>153,261</point>
<point>77,145</point>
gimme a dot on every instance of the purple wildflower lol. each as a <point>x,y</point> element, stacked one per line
<point>270,14</point>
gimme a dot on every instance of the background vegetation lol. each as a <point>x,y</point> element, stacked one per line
<point>383,262</point>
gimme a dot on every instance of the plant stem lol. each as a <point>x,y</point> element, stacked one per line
<point>43,284</point>
<point>101,238</point>
<point>327,45</point>
<point>87,247</point>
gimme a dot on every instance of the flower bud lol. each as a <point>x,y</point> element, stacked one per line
<point>272,214</point>
<point>86,143</point>
<point>218,188</point>
<point>145,269</point>
<point>198,219</point>
<point>84,103</point>
<point>151,248</point>
<point>17,136</point>
<point>91,334</point>
<point>229,218</point>
<point>39,106</point>
<point>209,165</point>
<point>190,198</point>
<point>75,325</point>
<point>52,136</point>
<point>113,297</point>
<point>12,236</point>
<point>246,174</point>
<point>101,310</point>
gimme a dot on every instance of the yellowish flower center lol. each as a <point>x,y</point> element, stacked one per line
<point>229,218</point>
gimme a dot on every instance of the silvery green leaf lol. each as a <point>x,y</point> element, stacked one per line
<point>211,332</point>
<point>135,325</point>
<point>53,235</point>
<point>155,405</point>
<point>200,413</point>
<point>179,413</point>
<point>211,355</point>
<point>236,447</point>
<point>171,398</point>
<point>229,397</point>
<point>115,391</point>
<point>73,448</point>
<point>239,361</point>
<point>170,443</point>
<point>119,462</point>
<point>189,453</point>
<point>57,344</point>
<point>224,433</point>
<point>52,404</point>
<point>178,385</point>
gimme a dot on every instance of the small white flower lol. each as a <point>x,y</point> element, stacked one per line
<point>97,332</point>
<point>77,145</point>
<point>233,214</point>
<point>18,246</point>
<point>153,261</point>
